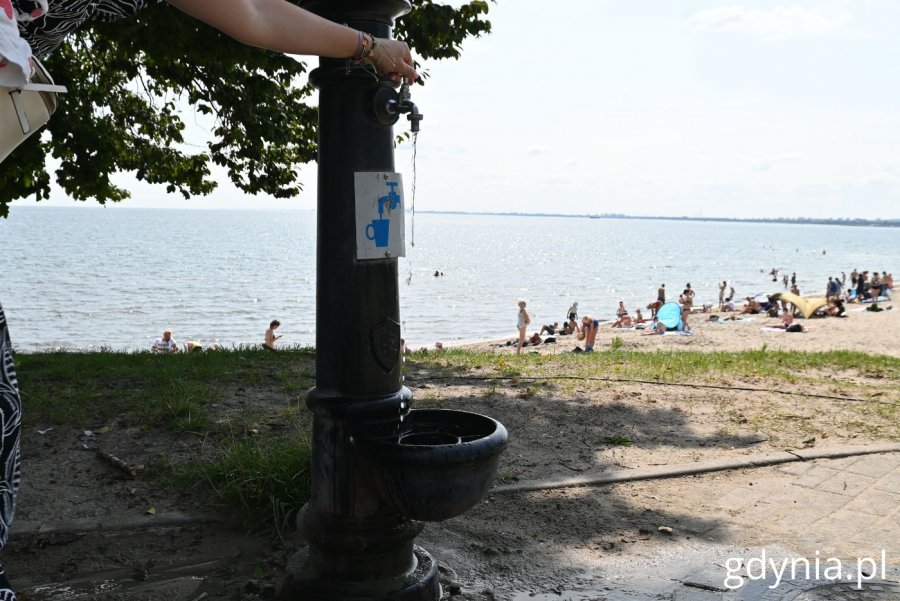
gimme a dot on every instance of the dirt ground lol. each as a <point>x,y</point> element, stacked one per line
<point>84,530</point>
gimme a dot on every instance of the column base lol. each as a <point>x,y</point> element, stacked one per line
<point>423,584</point>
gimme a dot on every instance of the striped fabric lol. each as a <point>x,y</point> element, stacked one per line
<point>10,424</point>
<point>65,16</point>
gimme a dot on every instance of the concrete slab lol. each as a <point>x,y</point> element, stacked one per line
<point>815,476</point>
<point>875,502</point>
<point>846,484</point>
<point>874,466</point>
<point>890,482</point>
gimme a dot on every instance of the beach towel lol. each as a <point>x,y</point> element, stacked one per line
<point>670,316</point>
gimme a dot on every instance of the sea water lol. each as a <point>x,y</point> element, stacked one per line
<point>89,278</point>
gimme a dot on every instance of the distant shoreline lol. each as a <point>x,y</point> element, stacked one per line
<point>782,220</point>
<point>855,221</point>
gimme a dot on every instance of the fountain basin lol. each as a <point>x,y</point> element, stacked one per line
<point>436,464</point>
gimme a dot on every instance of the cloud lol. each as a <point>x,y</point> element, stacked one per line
<point>782,22</point>
<point>536,151</point>
<point>767,163</point>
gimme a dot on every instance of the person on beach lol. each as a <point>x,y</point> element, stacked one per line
<point>626,321</point>
<point>686,299</point>
<point>653,308</point>
<point>751,307</point>
<point>271,338</point>
<point>571,326</point>
<point>165,344</point>
<point>861,286</point>
<point>638,316</point>
<point>523,321</point>
<point>661,294</point>
<point>731,294</point>
<point>572,313</point>
<point>192,346</point>
<point>834,288</point>
<point>589,327</point>
<point>621,311</point>
<point>685,313</point>
<point>875,285</point>
<point>37,27</point>
<point>722,288</point>
<point>11,411</point>
<point>835,307</point>
<point>550,329</point>
<point>657,328</point>
<point>786,320</point>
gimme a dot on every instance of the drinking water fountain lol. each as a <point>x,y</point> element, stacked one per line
<point>379,468</point>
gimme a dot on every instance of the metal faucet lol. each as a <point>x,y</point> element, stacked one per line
<point>408,106</point>
<point>397,103</point>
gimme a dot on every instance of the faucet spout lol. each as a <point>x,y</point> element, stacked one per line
<point>389,104</point>
<point>408,106</point>
<point>414,117</point>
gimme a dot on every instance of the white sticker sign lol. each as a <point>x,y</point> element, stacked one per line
<point>380,226</point>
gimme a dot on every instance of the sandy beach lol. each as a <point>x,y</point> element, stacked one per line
<point>861,330</point>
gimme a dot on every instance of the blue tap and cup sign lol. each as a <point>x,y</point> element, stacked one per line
<point>379,201</point>
<point>379,229</point>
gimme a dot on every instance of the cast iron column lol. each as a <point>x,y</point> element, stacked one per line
<point>358,545</point>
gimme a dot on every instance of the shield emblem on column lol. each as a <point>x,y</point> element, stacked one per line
<point>384,340</point>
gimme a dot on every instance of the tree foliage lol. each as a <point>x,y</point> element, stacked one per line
<point>128,81</point>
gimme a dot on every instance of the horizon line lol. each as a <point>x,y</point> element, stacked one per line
<point>888,222</point>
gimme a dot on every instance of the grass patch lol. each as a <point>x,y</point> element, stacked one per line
<point>174,390</point>
<point>261,483</point>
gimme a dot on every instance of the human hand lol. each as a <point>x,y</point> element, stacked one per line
<point>394,59</point>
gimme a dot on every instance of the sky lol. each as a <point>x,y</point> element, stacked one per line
<point>653,107</point>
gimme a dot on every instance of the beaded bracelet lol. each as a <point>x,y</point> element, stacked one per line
<point>364,47</point>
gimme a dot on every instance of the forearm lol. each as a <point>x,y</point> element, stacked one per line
<point>274,24</point>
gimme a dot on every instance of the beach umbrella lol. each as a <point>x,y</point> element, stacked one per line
<point>670,316</point>
<point>806,306</point>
